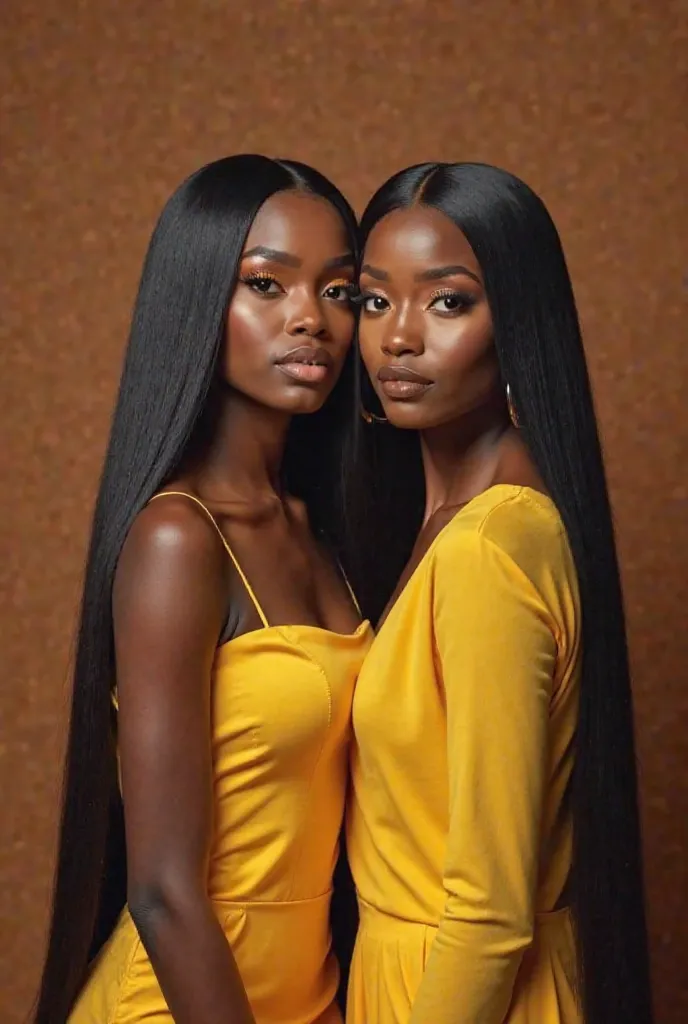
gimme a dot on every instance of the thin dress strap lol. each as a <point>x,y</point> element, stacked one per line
<point>349,588</point>
<point>235,561</point>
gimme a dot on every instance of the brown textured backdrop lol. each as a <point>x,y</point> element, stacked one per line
<point>106,106</point>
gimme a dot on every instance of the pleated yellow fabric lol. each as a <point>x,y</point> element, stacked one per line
<point>459,830</point>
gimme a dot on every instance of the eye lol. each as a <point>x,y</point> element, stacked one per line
<point>449,303</point>
<point>373,303</point>
<point>264,284</point>
<point>340,291</point>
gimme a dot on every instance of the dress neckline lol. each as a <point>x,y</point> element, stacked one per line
<point>511,489</point>
<point>363,628</point>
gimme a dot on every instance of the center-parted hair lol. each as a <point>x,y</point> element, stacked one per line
<point>538,342</point>
<point>164,410</point>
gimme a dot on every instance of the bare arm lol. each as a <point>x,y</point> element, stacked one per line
<point>169,603</point>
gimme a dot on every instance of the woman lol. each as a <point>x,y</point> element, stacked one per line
<point>216,624</point>
<point>494,817</point>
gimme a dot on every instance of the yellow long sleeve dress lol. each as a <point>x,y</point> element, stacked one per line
<point>281,727</point>
<point>459,830</point>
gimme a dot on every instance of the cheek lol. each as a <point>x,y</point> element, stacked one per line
<point>369,335</point>
<point>247,324</point>
<point>341,322</point>
<point>462,347</point>
<point>249,338</point>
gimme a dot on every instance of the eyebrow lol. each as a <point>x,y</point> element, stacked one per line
<point>379,275</point>
<point>287,260</point>
<point>276,255</point>
<point>435,274</point>
<point>345,260</point>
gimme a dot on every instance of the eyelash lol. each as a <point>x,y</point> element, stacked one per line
<point>261,276</point>
<point>466,301</point>
<point>348,287</point>
<point>361,298</point>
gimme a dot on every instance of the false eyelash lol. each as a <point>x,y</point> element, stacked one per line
<point>348,287</point>
<point>358,297</point>
<point>259,275</point>
<point>465,298</point>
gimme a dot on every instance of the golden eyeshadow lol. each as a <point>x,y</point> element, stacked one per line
<point>258,275</point>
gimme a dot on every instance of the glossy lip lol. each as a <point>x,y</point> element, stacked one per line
<point>314,355</point>
<point>402,383</point>
<point>306,364</point>
<point>399,373</point>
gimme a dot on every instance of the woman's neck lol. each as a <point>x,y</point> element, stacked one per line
<point>461,458</point>
<point>243,461</point>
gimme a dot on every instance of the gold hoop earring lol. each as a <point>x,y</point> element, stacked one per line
<point>513,416</point>
<point>369,417</point>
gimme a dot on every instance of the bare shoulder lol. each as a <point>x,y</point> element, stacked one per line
<point>172,543</point>
<point>175,528</point>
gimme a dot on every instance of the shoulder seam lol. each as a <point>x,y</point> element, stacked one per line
<point>521,494</point>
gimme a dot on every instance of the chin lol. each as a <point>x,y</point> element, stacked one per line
<point>408,415</point>
<point>301,401</point>
<point>426,414</point>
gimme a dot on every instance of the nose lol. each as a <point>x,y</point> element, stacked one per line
<point>404,335</point>
<point>305,317</point>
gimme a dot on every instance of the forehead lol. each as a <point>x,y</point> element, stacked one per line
<point>416,238</point>
<point>297,221</point>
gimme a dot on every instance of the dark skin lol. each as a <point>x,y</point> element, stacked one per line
<point>177,594</point>
<point>425,310</point>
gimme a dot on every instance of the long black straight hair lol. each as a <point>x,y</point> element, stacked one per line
<point>540,352</point>
<point>165,393</point>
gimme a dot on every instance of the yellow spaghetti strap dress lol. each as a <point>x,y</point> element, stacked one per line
<point>281,707</point>
<point>459,830</point>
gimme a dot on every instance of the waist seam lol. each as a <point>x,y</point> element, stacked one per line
<point>246,903</point>
<point>541,918</point>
